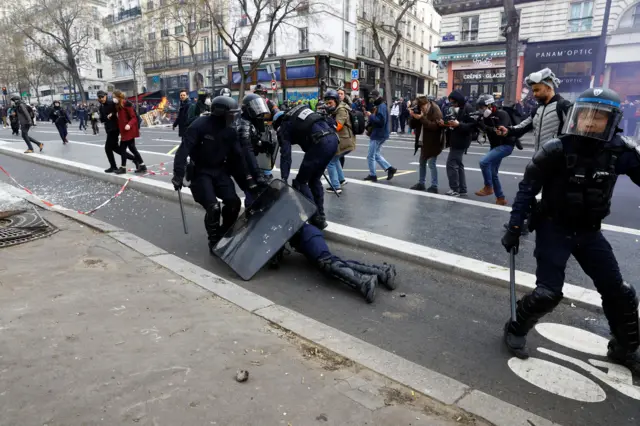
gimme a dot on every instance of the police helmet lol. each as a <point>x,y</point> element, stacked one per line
<point>485,100</point>
<point>254,106</point>
<point>225,92</point>
<point>332,94</point>
<point>222,105</point>
<point>260,89</point>
<point>16,99</point>
<point>277,119</point>
<point>595,115</point>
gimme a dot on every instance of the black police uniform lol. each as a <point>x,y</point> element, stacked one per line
<point>60,118</point>
<point>210,141</point>
<point>577,176</point>
<point>319,141</point>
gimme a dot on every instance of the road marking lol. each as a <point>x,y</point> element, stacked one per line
<point>101,146</point>
<point>557,379</point>
<point>574,338</point>
<point>166,140</point>
<point>349,156</point>
<point>173,150</point>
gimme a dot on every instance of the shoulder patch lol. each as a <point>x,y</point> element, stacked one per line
<point>304,114</point>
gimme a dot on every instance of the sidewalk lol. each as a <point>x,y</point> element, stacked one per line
<point>94,332</point>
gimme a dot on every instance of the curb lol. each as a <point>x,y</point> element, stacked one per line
<point>448,262</point>
<point>423,380</point>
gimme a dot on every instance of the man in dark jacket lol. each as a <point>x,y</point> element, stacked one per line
<point>459,125</point>
<point>109,116</point>
<point>25,117</point>
<point>404,115</point>
<point>379,134</point>
<point>501,146</point>
<point>201,106</point>
<point>182,120</point>
<point>82,116</point>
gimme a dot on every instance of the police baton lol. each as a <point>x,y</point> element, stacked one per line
<point>512,279</point>
<point>330,184</point>
<point>184,220</point>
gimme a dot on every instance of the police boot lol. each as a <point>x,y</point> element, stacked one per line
<point>365,284</point>
<point>319,221</point>
<point>386,273</point>
<point>620,306</point>
<point>530,309</point>
<point>212,225</point>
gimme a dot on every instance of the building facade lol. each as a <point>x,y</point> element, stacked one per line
<point>622,72</point>
<point>412,73</point>
<point>562,35</point>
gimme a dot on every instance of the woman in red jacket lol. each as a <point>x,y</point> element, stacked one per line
<point>128,125</point>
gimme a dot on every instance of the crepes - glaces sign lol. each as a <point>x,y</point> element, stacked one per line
<point>490,75</point>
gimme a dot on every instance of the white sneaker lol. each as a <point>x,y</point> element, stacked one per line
<point>330,190</point>
<point>394,133</point>
<point>452,193</point>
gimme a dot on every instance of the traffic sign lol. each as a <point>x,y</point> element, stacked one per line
<point>274,84</point>
<point>355,85</point>
<point>355,74</point>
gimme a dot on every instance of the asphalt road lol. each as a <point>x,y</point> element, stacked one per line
<point>447,323</point>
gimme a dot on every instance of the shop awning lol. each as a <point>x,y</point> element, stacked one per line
<point>148,96</point>
<point>434,56</point>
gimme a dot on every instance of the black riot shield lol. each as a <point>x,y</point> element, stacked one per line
<point>267,149</point>
<point>264,228</point>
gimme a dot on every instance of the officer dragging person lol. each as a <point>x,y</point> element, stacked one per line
<point>577,173</point>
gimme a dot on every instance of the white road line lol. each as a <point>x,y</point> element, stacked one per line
<point>167,140</point>
<point>442,166</point>
<point>101,146</point>
<point>349,156</point>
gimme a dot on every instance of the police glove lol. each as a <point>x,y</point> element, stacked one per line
<point>177,182</point>
<point>511,239</point>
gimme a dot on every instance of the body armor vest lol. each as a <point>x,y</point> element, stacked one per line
<point>302,119</point>
<point>580,197</point>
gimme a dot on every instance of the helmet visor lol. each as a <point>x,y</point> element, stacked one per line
<point>258,107</point>
<point>592,120</point>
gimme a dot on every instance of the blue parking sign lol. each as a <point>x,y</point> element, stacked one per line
<point>355,74</point>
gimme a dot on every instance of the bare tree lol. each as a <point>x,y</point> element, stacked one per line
<point>186,15</point>
<point>511,32</point>
<point>130,52</point>
<point>33,71</point>
<point>237,27</point>
<point>60,29</point>
<point>381,24</point>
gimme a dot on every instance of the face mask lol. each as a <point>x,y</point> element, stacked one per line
<point>486,113</point>
<point>207,102</point>
<point>115,100</point>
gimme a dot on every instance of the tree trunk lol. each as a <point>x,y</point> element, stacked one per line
<point>135,89</point>
<point>242,79</point>
<point>512,32</point>
<point>387,85</point>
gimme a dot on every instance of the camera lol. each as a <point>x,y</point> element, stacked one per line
<point>416,110</point>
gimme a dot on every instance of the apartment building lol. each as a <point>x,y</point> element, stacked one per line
<point>563,35</point>
<point>622,71</point>
<point>412,72</point>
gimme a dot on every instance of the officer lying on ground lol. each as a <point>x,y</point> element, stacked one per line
<point>577,174</point>
<point>212,143</point>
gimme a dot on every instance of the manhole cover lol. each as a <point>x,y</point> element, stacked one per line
<point>22,226</point>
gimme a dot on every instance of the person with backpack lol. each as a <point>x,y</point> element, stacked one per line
<point>501,146</point>
<point>547,119</point>
<point>379,123</point>
<point>129,131</point>
<point>25,118</point>
<point>341,113</point>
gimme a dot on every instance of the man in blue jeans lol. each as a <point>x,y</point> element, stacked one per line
<point>380,133</point>
<point>501,147</point>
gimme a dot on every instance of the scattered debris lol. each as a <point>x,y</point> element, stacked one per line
<point>573,305</point>
<point>403,294</point>
<point>242,376</point>
<point>322,417</point>
<point>394,396</point>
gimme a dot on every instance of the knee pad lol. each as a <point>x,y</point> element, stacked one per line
<point>620,306</point>
<point>541,301</point>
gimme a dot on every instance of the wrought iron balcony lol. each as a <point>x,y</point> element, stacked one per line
<point>122,16</point>
<point>184,61</point>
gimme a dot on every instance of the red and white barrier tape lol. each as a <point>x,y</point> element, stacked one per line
<point>117,194</point>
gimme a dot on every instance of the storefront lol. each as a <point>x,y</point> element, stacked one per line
<point>476,70</point>
<point>572,61</point>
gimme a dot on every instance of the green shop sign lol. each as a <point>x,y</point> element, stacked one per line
<point>471,55</point>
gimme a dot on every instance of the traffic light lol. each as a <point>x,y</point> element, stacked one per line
<point>4,91</point>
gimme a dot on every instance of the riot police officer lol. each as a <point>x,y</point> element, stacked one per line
<point>577,173</point>
<point>211,141</point>
<point>318,139</point>
<point>256,140</point>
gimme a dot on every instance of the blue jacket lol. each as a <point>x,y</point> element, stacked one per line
<point>380,123</point>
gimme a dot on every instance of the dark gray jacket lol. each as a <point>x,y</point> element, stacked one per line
<point>25,114</point>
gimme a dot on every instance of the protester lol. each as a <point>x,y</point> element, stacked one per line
<point>15,123</point>
<point>61,119</point>
<point>428,137</point>
<point>340,113</point>
<point>82,116</point>
<point>629,117</point>
<point>501,147</point>
<point>459,125</point>
<point>94,114</point>
<point>181,121</point>
<point>128,127</point>
<point>379,134</point>
<point>395,117</point>
<point>404,114</point>
<point>25,118</point>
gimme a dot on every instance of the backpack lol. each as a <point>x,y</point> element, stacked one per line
<point>515,118</point>
<point>562,108</point>
<point>357,122</point>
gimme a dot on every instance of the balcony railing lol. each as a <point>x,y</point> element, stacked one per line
<point>184,61</point>
<point>122,16</point>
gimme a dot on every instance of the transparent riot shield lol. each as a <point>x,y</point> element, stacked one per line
<point>264,228</point>
<point>267,149</point>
